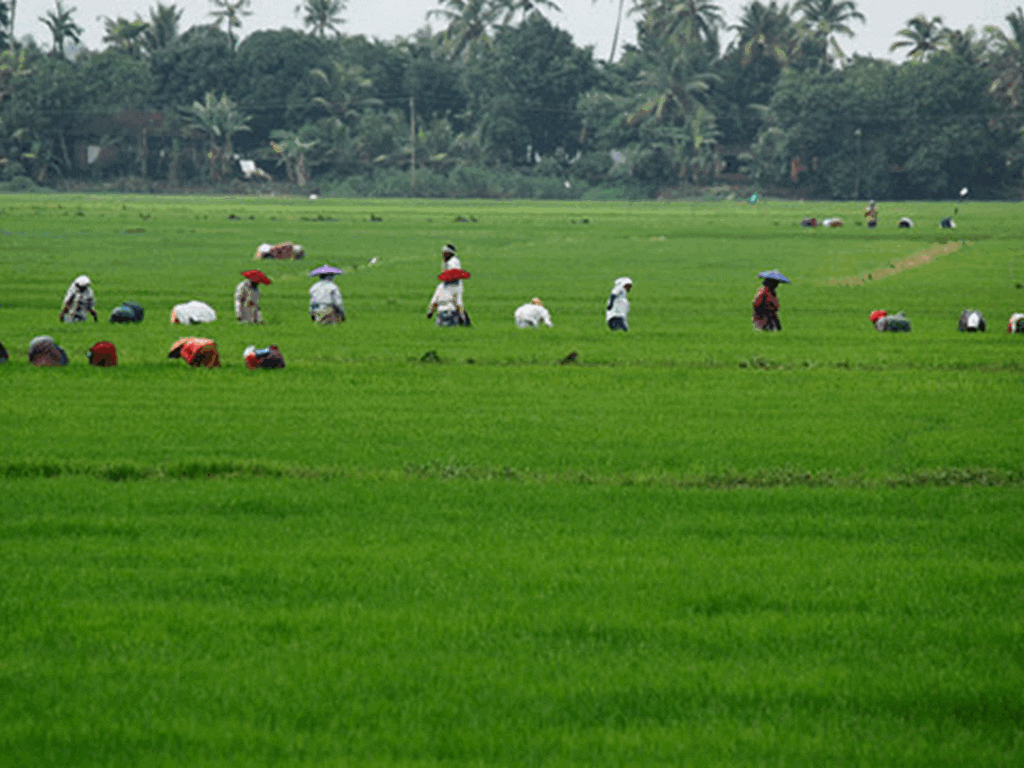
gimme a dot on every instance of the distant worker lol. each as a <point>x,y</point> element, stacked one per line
<point>871,214</point>
<point>197,352</point>
<point>616,313</point>
<point>79,301</point>
<point>247,297</point>
<point>1016,323</point>
<point>280,251</point>
<point>325,305</point>
<point>883,321</point>
<point>766,302</point>
<point>905,222</point>
<point>43,352</point>
<point>533,314</point>
<point>447,304</point>
<point>971,321</point>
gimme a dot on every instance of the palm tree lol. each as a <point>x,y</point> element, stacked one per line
<point>218,120</point>
<point>322,16</point>
<point>510,8</point>
<point>162,29</point>
<point>922,36</point>
<point>671,88</point>
<point>766,31</point>
<point>231,13</point>
<point>62,26</point>
<point>689,20</point>
<point>1009,59</point>
<point>824,19</point>
<point>345,90</point>
<point>469,24</point>
<point>124,35</point>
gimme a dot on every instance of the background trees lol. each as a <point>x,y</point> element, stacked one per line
<point>500,101</point>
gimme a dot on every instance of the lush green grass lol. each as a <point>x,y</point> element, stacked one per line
<point>696,545</point>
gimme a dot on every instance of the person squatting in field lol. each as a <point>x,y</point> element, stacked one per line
<point>79,301</point>
<point>532,315</point>
<point>325,305</point>
<point>616,313</point>
<point>247,297</point>
<point>766,302</point>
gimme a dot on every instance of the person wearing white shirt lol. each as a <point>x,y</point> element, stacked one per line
<point>533,314</point>
<point>447,303</point>
<point>616,313</point>
<point>325,304</point>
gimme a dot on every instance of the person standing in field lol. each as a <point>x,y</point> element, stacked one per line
<point>247,297</point>
<point>766,302</point>
<point>325,306</point>
<point>79,301</point>
<point>616,313</point>
<point>533,314</point>
<point>447,303</point>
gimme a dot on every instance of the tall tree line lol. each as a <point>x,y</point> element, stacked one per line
<point>770,100</point>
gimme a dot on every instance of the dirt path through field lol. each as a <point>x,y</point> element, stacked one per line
<point>919,259</point>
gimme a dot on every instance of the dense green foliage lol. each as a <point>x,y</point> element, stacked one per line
<point>695,543</point>
<point>501,103</point>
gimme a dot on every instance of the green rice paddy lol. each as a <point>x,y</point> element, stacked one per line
<point>692,545</point>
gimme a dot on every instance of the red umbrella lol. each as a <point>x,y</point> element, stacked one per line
<point>451,275</point>
<point>256,276</point>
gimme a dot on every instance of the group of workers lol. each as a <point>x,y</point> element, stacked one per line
<point>446,307</point>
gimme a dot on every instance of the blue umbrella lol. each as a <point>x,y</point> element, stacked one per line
<point>773,274</point>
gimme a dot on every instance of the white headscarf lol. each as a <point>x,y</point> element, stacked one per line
<point>80,283</point>
<point>621,283</point>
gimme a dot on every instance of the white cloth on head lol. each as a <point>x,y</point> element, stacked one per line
<point>532,315</point>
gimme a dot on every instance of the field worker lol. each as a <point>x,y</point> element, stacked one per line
<point>197,352</point>
<point>192,313</point>
<point>263,252</point>
<point>883,321</point>
<point>1016,323</point>
<point>447,304</point>
<point>533,314</point>
<point>79,301</point>
<point>766,302</point>
<point>325,305</point>
<point>971,321</point>
<point>905,222</point>
<point>616,314</point>
<point>871,214</point>
<point>43,351</point>
<point>247,297</point>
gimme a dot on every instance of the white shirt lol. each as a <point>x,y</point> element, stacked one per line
<point>323,294</point>
<point>532,315</point>
<point>618,304</point>
<point>447,293</point>
<point>247,303</point>
<point>452,263</point>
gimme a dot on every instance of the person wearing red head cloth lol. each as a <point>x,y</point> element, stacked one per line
<point>247,297</point>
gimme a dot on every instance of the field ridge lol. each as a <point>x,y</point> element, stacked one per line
<point>127,471</point>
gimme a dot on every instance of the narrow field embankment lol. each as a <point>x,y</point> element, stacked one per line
<point>919,259</point>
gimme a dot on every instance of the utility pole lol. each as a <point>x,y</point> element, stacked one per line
<point>412,139</point>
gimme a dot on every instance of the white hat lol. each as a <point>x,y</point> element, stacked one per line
<point>265,248</point>
<point>83,281</point>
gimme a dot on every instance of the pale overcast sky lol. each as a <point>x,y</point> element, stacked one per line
<point>590,23</point>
